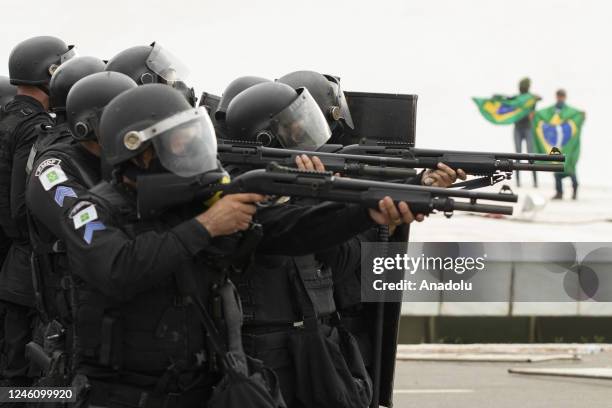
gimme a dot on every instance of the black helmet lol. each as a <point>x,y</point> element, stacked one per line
<point>88,97</point>
<point>33,61</point>
<point>67,75</point>
<point>183,136</point>
<point>234,88</point>
<point>326,90</point>
<point>272,113</point>
<point>7,91</point>
<point>152,64</point>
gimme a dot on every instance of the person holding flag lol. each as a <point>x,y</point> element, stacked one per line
<point>522,127</point>
<point>517,110</point>
<point>560,126</point>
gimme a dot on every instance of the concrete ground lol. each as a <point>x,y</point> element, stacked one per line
<point>487,385</point>
<point>588,219</point>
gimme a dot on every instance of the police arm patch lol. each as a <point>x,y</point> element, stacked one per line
<point>61,193</point>
<point>84,216</point>
<point>51,177</point>
<point>45,164</point>
<point>92,227</point>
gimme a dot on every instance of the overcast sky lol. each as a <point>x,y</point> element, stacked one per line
<point>445,51</point>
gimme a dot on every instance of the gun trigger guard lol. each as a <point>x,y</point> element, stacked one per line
<point>448,213</point>
<point>506,190</point>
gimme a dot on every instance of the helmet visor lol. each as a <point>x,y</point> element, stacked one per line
<point>189,148</point>
<point>185,143</point>
<point>166,65</point>
<point>302,124</point>
<point>71,53</point>
<point>345,113</point>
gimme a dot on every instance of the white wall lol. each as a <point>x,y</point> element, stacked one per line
<point>443,50</point>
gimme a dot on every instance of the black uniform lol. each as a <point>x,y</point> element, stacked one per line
<point>21,122</point>
<point>278,293</point>
<point>134,324</point>
<point>81,169</point>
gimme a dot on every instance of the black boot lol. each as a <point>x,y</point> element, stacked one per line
<point>558,196</point>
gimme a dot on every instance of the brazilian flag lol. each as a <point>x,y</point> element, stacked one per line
<point>553,127</point>
<point>503,110</point>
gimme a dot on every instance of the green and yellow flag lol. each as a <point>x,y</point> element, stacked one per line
<point>503,110</point>
<point>553,127</point>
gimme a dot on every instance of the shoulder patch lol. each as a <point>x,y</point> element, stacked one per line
<point>92,227</point>
<point>45,164</point>
<point>78,207</point>
<point>83,215</point>
<point>61,193</point>
<point>52,177</point>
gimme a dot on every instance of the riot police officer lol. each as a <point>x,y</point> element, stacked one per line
<point>234,88</point>
<point>153,64</point>
<point>66,76</point>
<point>137,338</point>
<point>328,94</point>
<point>279,293</point>
<point>61,82</point>
<point>76,162</point>
<point>31,64</point>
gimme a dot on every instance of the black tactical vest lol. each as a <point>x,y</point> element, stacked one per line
<point>268,291</point>
<point>154,333</point>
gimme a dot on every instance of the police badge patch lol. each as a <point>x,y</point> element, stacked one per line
<point>81,216</point>
<point>45,164</point>
<point>51,177</point>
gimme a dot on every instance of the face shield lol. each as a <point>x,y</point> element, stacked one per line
<point>301,125</point>
<point>343,113</point>
<point>166,65</point>
<point>171,70</point>
<point>185,143</point>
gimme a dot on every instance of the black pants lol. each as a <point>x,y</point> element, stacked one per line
<point>559,182</point>
<point>521,134</point>
<point>16,324</point>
